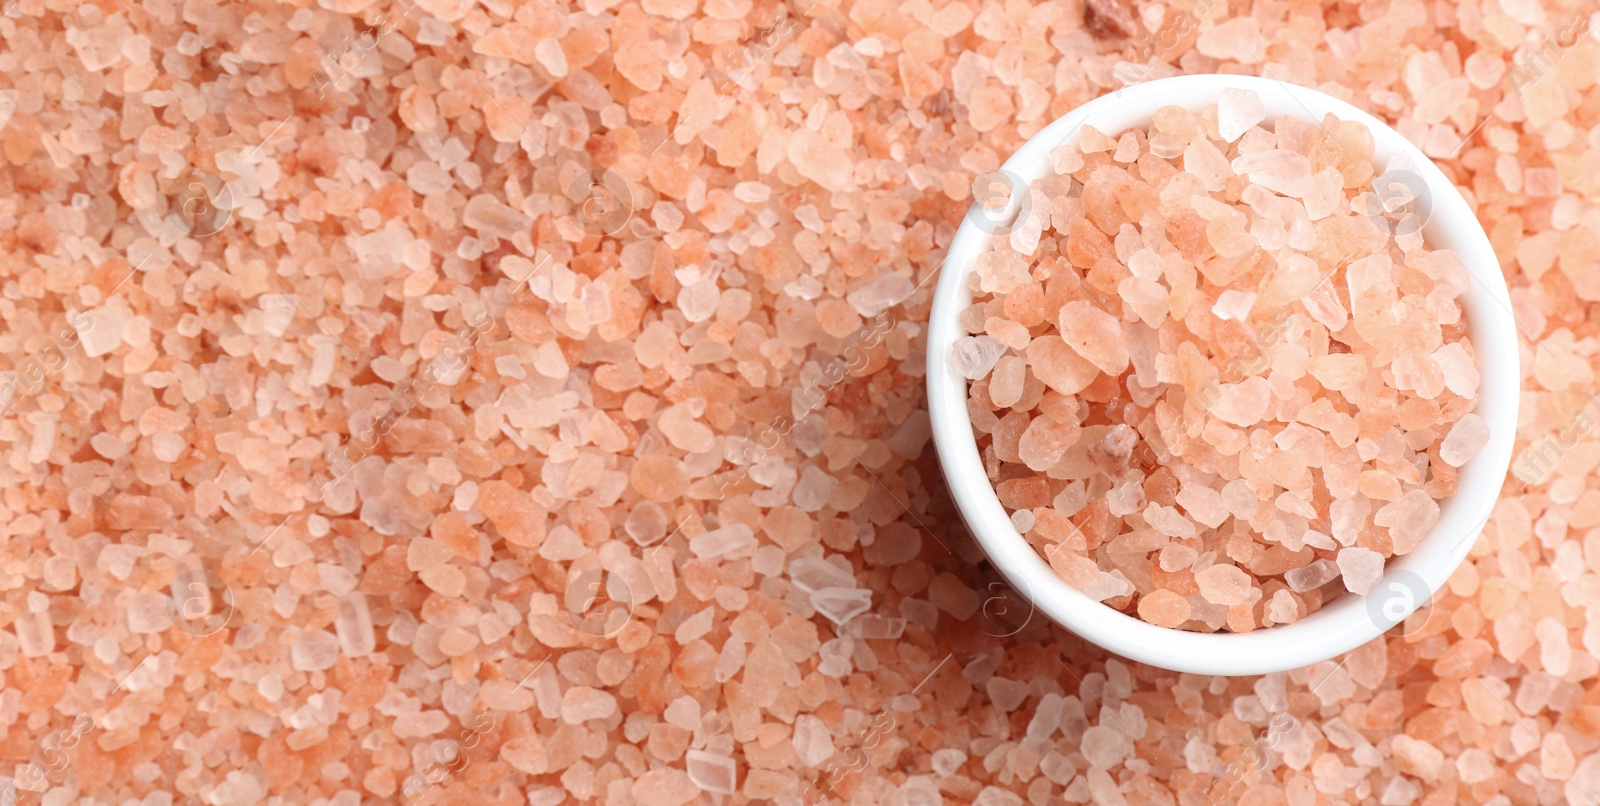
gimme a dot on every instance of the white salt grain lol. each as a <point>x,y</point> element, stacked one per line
<point>881,294</point>
<point>1466,438</point>
<point>973,356</point>
<point>1360,568</point>
<point>711,772</point>
<point>729,540</point>
<point>839,605</point>
<point>811,574</point>
<point>1312,576</point>
<point>1237,111</point>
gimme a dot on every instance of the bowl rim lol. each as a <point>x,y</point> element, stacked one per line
<point>1346,622</point>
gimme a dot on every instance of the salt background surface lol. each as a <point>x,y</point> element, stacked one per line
<point>282,520</point>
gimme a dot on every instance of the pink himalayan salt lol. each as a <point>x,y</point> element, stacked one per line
<point>1360,568</point>
<point>1362,766</point>
<point>1238,111</point>
<point>1223,584</point>
<point>711,772</point>
<point>1466,438</point>
<point>1105,747</point>
<point>1311,576</point>
<point>664,786</point>
<point>1164,608</point>
<point>1408,519</point>
<point>973,356</point>
<point>1282,608</point>
<point>582,703</point>
<point>1262,382</point>
<point>1095,335</point>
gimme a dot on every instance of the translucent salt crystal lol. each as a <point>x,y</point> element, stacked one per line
<point>1203,504</point>
<point>1146,298</point>
<point>1278,170</point>
<point>427,178</point>
<point>711,772</point>
<point>1237,111</point>
<point>1169,521</point>
<point>491,216</point>
<point>920,790</point>
<point>1234,305</point>
<point>1466,438</point>
<point>881,294</point>
<point>683,431</point>
<point>580,704</point>
<point>99,331</point>
<point>812,743</point>
<point>839,605</point>
<point>1475,766</point>
<point>1095,335</point>
<point>873,627</point>
<point>1312,576</point>
<point>1046,718</point>
<point>313,650</point>
<point>1059,366</point>
<point>1164,608</point>
<point>1555,649</point>
<point>947,761</point>
<point>1109,585</point>
<point>1460,371</point>
<point>353,626</point>
<point>35,635</point>
<point>148,612</point>
<point>1126,498</point>
<point>1349,516</point>
<point>1104,747</point>
<point>1045,442</point>
<point>811,574</point>
<point>1072,499</point>
<point>1176,556</point>
<point>1360,568</point>
<point>1400,791</point>
<point>108,446</point>
<point>814,489</point>
<point>1282,608</point>
<point>646,523</point>
<point>1317,540</point>
<point>1408,519</point>
<point>1022,520</point>
<point>698,301</point>
<point>1006,383</point>
<point>1000,272</point>
<point>562,544</point>
<point>277,312</point>
<point>423,553</point>
<point>735,539</point>
<point>1225,585</point>
<point>168,447</point>
<point>1243,403</point>
<point>1205,162</point>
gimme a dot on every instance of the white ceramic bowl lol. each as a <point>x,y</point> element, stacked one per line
<point>1345,622</point>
